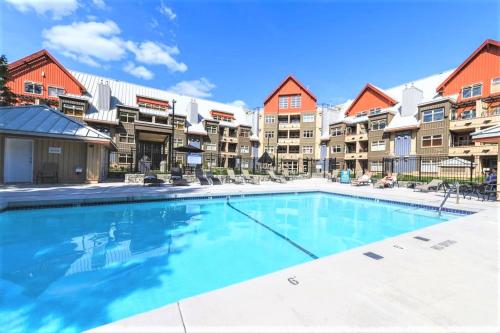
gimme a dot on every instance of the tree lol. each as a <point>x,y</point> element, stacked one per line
<point>7,97</point>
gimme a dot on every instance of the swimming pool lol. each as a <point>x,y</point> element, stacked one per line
<point>76,268</point>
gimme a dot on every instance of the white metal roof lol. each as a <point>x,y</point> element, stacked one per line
<point>491,132</point>
<point>125,93</point>
<point>43,120</point>
<point>402,122</point>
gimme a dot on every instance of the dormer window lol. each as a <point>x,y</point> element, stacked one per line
<point>495,81</point>
<point>472,91</point>
<point>361,114</point>
<point>375,111</point>
<point>55,92</point>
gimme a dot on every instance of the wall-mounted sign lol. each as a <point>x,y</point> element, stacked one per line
<point>55,150</point>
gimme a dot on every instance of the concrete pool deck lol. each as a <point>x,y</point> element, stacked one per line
<point>448,283</point>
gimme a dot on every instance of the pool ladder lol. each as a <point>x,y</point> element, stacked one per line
<point>448,194</point>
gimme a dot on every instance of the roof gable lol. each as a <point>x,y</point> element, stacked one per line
<point>26,61</point>
<point>467,61</point>
<point>368,88</point>
<point>288,78</point>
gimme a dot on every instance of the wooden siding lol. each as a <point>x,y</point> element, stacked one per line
<point>308,104</point>
<point>48,74</point>
<point>481,69</point>
<point>369,99</point>
<point>434,128</point>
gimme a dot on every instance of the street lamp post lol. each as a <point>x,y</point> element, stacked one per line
<point>171,150</point>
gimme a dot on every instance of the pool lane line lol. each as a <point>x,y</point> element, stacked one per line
<point>310,254</point>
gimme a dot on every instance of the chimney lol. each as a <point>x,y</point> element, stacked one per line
<point>411,97</point>
<point>103,96</point>
<point>193,112</point>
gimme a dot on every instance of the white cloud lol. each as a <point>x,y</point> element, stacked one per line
<point>58,8</point>
<point>86,42</point>
<point>154,23</point>
<point>153,53</point>
<point>94,42</point>
<point>238,102</point>
<point>138,71</point>
<point>99,4</point>
<point>194,88</point>
<point>167,11</point>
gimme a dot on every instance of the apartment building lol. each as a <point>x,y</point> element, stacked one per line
<point>431,117</point>
<point>142,121</point>
<point>291,125</point>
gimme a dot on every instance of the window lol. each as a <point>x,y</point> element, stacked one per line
<point>295,101</point>
<point>126,138</point>
<point>375,111</point>
<point>244,149</point>
<point>269,149</point>
<point>245,164</point>
<point>152,106</point>
<point>495,81</point>
<point>469,114</point>
<point>211,129</point>
<point>336,149</point>
<point>102,129</point>
<point>378,124</point>
<point>127,117</point>
<point>336,131</point>
<point>283,102</point>
<point>33,88</point>
<point>269,134</point>
<point>269,119</point>
<point>125,158</point>
<point>72,110</point>
<point>308,133</point>
<point>433,115</point>
<point>54,92</point>
<point>361,114</point>
<point>308,118</point>
<point>282,149</point>
<point>210,146</point>
<point>472,91</point>
<point>293,149</point>
<point>432,140</point>
<point>495,111</point>
<point>378,145</point>
<point>178,142</point>
<point>307,149</point>
<point>244,133</point>
<point>375,166</point>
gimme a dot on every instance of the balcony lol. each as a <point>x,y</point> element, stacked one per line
<point>229,139</point>
<point>473,123</point>
<point>356,137</point>
<point>289,156</point>
<point>356,156</point>
<point>289,126</point>
<point>473,150</point>
<point>289,141</point>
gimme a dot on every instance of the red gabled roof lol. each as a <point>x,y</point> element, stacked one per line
<point>289,77</point>
<point>376,90</point>
<point>44,53</point>
<point>467,61</point>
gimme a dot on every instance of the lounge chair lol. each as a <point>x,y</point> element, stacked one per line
<point>233,178</point>
<point>365,179</point>
<point>49,171</point>
<point>176,177</point>
<point>248,178</point>
<point>150,178</point>
<point>388,181</point>
<point>286,174</point>
<point>201,176</point>
<point>433,185</point>
<point>275,178</point>
<point>214,179</point>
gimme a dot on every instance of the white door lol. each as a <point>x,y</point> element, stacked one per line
<point>18,165</point>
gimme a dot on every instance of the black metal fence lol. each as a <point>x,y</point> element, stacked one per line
<point>471,169</point>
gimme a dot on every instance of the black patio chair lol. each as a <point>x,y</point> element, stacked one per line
<point>214,179</point>
<point>150,178</point>
<point>176,177</point>
<point>201,176</point>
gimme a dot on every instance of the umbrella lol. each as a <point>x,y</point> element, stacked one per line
<point>265,158</point>
<point>188,149</point>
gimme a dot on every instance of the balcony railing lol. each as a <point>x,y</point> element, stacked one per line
<point>488,120</point>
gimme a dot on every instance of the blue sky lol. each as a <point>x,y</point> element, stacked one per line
<point>233,51</point>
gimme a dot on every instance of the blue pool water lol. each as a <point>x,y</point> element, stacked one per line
<point>70,269</point>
